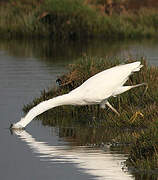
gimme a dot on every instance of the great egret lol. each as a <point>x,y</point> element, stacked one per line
<point>96,90</point>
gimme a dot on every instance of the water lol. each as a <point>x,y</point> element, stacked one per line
<point>43,152</point>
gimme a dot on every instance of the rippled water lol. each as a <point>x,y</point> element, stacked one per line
<point>26,67</point>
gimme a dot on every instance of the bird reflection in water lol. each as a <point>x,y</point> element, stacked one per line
<point>98,163</point>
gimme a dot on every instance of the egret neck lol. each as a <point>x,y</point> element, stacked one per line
<point>65,99</point>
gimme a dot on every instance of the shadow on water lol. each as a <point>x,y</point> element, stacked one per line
<point>87,131</point>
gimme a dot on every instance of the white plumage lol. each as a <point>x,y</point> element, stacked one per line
<point>96,90</point>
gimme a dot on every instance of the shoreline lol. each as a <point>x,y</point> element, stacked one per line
<point>75,20</point>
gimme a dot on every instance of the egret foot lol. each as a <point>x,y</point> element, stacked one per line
<point>133,118</point>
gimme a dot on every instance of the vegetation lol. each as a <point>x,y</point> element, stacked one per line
<point>144,150</point>
<point>136,127</point>
<point>108,19</point>
<point>78,19</point>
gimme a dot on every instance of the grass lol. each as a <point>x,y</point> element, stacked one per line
<point>92,124</point>
<point>74,19</point>
<point>19,19</point>
<point>144,151</point>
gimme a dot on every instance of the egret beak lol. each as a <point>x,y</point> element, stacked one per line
<point>13,127</point>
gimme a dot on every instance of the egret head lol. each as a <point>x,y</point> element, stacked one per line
<point>15,126</point>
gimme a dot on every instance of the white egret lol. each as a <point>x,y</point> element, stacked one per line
<point>96,90</point>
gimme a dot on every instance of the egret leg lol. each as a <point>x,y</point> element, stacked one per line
<point>142,84</point>
<point>112,108</point>
<point>102,105</point>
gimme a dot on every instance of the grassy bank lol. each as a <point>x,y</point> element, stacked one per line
<point>140,129</point>
<point>144,150</point>
<point>76,19</point>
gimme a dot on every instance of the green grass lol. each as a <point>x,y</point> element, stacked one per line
<point>73,19</point>
<point>20,19</point>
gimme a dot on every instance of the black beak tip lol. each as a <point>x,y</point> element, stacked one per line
<point>11,126</point>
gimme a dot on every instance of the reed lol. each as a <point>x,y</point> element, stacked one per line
<point>144,151</point>
<point>74,19</point>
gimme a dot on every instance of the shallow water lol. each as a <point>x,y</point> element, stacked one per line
<point>26,67</point>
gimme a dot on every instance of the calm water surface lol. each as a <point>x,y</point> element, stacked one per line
<point>27,67</point>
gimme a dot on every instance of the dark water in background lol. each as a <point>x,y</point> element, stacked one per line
<point>26,67</point>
